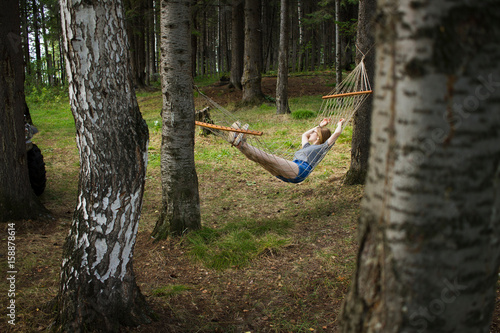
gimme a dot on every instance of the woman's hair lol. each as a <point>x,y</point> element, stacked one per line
<point>323,134</point>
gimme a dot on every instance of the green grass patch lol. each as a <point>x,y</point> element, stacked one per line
<point>305,103</point>
<point>303,114</point>
<point>237,243</point>
<point>168,291</point>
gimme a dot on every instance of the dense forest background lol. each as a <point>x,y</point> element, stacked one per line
<point>312,37</point>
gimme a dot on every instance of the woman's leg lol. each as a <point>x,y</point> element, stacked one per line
<point>277,166</point>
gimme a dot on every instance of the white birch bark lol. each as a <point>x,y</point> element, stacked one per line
<point>430,226</point>
<point>98,288</point>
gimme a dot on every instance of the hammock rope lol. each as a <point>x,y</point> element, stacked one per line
<point>342,102</point>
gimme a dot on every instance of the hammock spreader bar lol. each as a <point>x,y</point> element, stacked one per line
<point>348,94</point>
<point>229,129</point>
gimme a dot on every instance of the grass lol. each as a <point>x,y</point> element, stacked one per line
<point>168,291</point>
<point>270,255</point>
<point>237,243</point>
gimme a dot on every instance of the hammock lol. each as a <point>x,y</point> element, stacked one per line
<point>341,102</point>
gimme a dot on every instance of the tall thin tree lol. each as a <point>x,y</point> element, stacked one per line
<point>338,44</point>
<point>252,78</point>
<point>237,42</point>
<point>301,33</point>
<point>98,290</point>
<point>36,30</point>
<point>430,225</point>
<point>365,45</point>
<point>17,199</point>
<point>282,106</point>
<point>180,197</point>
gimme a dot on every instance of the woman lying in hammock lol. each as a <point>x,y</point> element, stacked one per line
<point>316,142</point>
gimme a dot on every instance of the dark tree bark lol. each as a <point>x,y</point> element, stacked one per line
<point>300,19</point>
<point>151,38</point>
<point>430,225</point>
<point>24,9</point>
<point>360,147</point>
<point>180,197</point>
<point>338,45</point>
<point>17,199</point>
<point>137,31</point>
<point>282,106</point>
<point>237,42</point>
<point>251,80</point>
<point>98,290</point>
<point>38,49</point>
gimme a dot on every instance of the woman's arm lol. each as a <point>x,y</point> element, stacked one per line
<point>331,140</point>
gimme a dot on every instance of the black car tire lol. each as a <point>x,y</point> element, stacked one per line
<point>36,167</point>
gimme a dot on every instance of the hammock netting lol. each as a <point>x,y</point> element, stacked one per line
<point>342,102</point>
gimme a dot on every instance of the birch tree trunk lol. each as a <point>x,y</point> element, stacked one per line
<point>430,225</point>
<point>251,80</point>
<point>98,290</point>
<point>17,199</point>
<point>180,196</point>
<point>282,106</point>
<point>360,146</point>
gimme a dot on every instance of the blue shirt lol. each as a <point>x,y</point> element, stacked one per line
<point>312,154</point>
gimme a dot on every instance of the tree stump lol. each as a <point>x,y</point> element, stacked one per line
<point>204,116</point>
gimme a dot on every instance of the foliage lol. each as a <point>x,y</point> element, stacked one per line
<point>45,94</point>
<point>303,114</point>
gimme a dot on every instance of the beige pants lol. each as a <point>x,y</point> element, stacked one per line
<point>277,166</point>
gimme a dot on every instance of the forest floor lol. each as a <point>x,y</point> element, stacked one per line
<point>298,287</point>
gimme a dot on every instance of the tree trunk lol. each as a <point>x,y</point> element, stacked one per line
<point>24,12</point>
<point>194,38</point>
<point>251,80</point>
<point>282,106</point>
<point>430,225</point>
<point>136,28</point>
<point>237,42</point>
<point>38,49</point>
<point>338,45</point>
<point>300,14</point>
<point>152,39</point>
<point>180,198</point>
<point>62,62</point>
<point>48,57</point>
<point>360,146</point>
<point>17,200</point>
<point>98,290</point>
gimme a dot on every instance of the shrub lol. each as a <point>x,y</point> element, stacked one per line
<point>303,114</point>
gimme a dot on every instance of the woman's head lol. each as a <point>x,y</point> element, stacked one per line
<point>323,135</point>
